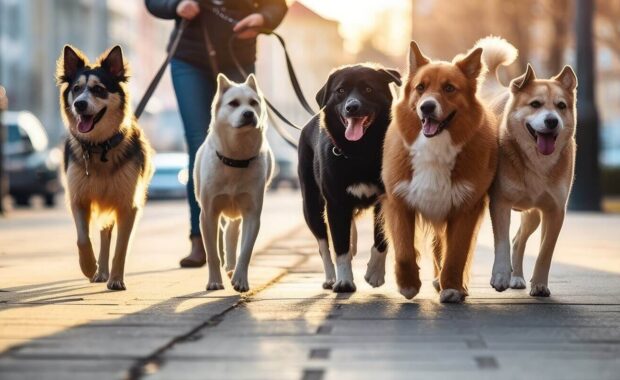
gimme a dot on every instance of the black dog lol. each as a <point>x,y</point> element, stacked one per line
<point>340,154</point>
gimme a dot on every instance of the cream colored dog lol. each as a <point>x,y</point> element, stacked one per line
<point>536,164</point>
<point>233,168</point>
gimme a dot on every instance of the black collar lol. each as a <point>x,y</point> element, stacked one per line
<point>103,147</point>
<point>234,163</point>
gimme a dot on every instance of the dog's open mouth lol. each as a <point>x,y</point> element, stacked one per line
<point>86,123</point>
<point>545,142</point>
<point>432,127</point>
<point>356,126</point>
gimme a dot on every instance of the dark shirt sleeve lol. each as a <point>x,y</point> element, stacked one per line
<point>273,11</point>
<point>166,9</point>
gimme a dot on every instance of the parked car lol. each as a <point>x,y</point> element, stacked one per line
<point>31,166</point>
<point>170,177</point>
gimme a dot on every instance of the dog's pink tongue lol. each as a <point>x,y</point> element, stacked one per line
<point>85,124</point>
<point>545,143</point>
<point>355,128</point>
<point>430,127</point>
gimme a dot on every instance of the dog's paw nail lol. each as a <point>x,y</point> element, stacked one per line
<point>540,290</point>
<point>100,277</point>
<point>500,281</point>
<point>215,286</point>
<point>517,282</point>
<point>116,285</point>
<point>436,284</point>
<point>344,286</point>
<point>375,280</point>
<point>451,296</point>
<point>409,293</point>
<point>328,284</point>
<point>240,283</point>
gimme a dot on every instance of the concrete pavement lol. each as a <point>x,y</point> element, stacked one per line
<point>55,325</point>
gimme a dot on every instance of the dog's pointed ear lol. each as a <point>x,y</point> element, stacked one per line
<point>71,61</point>
<point>416,58</point>
<point>322,96</point>
<point>567,78</point>
<point>251,82</point>
<point>223,83</point>
<point>471,65</point>
<point>392,75</point>
<point>114,64</point>
<point>522,81</point>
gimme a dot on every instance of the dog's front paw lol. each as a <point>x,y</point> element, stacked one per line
<point>240,283</point>
<point>344,286</point>
<point>500,281</point>
<point>517,282</point>
<point>540,290</point>
<point>436,285</point>
<point>116,284</point>
<point>375,271</point>
<point>100,276</point>
<point>214,285</point>
<point>451,296</point>
<point>329,283</point>
<point>409,293</point>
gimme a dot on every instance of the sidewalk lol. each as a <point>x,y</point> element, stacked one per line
<point>57,326</point>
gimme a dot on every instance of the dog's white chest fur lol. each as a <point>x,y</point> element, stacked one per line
<point>363,190</point>
<point>431,189</point>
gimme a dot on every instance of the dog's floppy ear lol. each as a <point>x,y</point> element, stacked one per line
<point>251,82</point>
<point>69,63</point>
<point>393,76</point>
<point>522,81</point>
<point>323,95</point>
<point>567,78</point>
<point>223,83</point>
<point>416,58</point>
<point>471,65</point>
<point>113,63</point>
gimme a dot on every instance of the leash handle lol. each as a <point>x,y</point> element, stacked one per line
<point>160,73</point>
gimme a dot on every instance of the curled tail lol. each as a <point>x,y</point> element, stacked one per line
<point>496,52</point>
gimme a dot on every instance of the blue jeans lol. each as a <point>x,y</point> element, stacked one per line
<point>195,89</point>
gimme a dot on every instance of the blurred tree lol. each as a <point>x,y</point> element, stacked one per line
<point>560,12</point>
<point>608,16</point>
<point>586,193</point>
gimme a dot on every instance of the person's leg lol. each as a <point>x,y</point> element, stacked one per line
<point>194,90</point>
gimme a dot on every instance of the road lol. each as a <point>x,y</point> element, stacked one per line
<point>56,325</point>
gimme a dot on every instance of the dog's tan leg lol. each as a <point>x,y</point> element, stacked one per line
<point>401,225</point>
<point>81,216</point>
<point>125,220</point>
<point>249,232</point>
<point>103,264</point>
<point>500,218</point>
<point>438,254</point>
<point>552,221</point>
<point>353,243</point>
<point>529,222</point>
<point>232,238</point>
<point>209,225</point>
<point>461,231</point>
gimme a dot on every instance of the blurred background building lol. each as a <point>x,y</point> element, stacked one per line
<point>321,35</point>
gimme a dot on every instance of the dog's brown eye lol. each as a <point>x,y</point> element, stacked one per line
<point>368,89</point>
<point>420,87</point>
<point>253,103</point>
<point>449,88</point>
<point>77,88</point>
<point>535,104</point>
<point>562,105</point>
<point>234,103</point>
<point>98,90</point>
<point>341,90</point>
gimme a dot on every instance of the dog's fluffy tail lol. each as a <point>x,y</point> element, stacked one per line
<point>496,52</point>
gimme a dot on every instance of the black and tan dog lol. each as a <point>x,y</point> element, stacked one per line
<point>340,154</point>
<point>107,159</point>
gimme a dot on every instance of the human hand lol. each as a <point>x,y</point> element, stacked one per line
<point>188,9</point>
<point>248,27</point>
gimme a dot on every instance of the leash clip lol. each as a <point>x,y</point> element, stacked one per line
<point>337,152</point>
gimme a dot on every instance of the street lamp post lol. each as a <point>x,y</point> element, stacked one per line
<point>586,195</point>
<point>4,103</point>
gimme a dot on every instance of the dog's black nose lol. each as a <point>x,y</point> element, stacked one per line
<point>428,107</point>
<point>81,105</point>
<point>352,105</point>
<point>551,123</point>
<point>248,115</point>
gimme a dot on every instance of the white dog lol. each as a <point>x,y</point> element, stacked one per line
<point>233,168</point>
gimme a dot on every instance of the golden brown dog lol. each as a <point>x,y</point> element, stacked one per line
<point>106,160</point>
<point>536,164</point>
<point>440,156</point>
